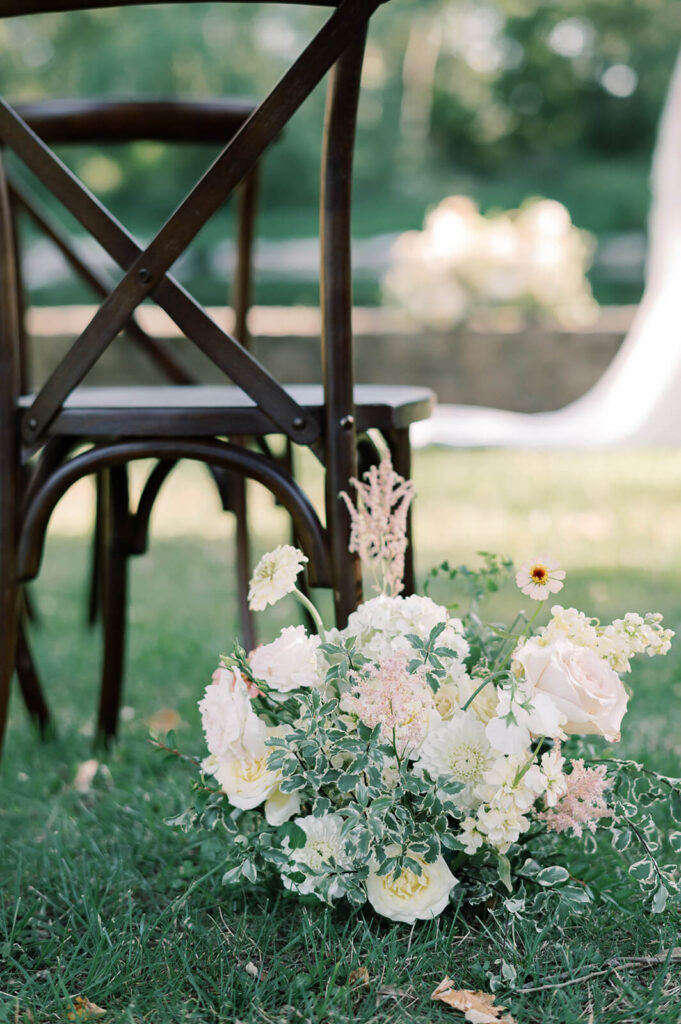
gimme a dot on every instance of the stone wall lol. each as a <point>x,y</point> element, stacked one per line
<point>528,369</point>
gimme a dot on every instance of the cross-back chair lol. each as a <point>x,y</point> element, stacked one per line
<point>123,121</point>
<point>106,122</point>
<point>39,433</point>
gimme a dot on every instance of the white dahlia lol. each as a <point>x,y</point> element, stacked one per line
<point>324,845</point>
<point>458,749</point>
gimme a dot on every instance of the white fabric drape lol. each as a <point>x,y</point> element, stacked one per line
<point>637,401</point>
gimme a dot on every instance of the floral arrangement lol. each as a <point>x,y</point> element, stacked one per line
<point>415,756</point>
<point>529,262</point>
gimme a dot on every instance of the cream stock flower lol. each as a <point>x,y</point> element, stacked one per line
<point>274,576</point>
<point>533,714</point>
<point>583,687</point>
<point>410,897</point>
<point>540,578</point>
<point>289,662</point>
<point>552,764</point>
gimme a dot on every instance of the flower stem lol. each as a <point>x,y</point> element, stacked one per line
<point>478,690</point>
<point>307,603</point>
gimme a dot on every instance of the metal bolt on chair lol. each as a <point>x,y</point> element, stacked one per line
<point>65,431</point>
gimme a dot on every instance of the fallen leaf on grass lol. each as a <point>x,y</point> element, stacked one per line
<point>478,1007</point>
<point>360,976</point>
<point>85,776</point>
<point>83,1010</point>
<point>162,722</point>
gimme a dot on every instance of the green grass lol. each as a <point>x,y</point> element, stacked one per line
<point>99,897</point>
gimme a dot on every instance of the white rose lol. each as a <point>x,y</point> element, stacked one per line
<point>280,807</point>
<point>584,688</point>
<point>231,726</point>
<point>289,662</point>
<point>247,781</point>
<point>411,897</point>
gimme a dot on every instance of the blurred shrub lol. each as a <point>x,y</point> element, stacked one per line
<point>530,261</point>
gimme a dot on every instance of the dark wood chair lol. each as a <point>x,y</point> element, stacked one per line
<point>103,123</point>
<point>51,439</point>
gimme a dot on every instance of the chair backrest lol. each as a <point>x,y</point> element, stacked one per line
<point>107,122</point>
<point>339,44</point>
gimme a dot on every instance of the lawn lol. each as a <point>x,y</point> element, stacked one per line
<point>99,897</point>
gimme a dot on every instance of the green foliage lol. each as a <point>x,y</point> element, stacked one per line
<point>99,896</point>
<point>505,116</point>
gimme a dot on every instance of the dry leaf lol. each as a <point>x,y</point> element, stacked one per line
<point>25,1017</point>
<point>84,1010</point>
<point>85,776</point>
<point>360,976</point>
<point>478,1007</point>
<point>162,722</point>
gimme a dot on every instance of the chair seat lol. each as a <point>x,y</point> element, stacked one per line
<point>207,410</point>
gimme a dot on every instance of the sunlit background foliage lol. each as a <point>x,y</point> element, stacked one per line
<point>499,100</point>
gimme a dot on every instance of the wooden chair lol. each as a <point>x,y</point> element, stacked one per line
<point>42,435</point>
<point>105,122</point>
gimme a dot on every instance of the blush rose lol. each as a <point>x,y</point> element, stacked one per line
<point>584,688</point>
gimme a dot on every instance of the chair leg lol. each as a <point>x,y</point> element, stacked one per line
<point>9,614</point>
<point>243,561</point>
<point>115,524</point>
<point>95,590</point>
<point>29,682</point>
<point>400,453</point>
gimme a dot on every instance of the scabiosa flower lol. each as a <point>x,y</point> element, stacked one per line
<point>540,578</point>
<point>274,576</point>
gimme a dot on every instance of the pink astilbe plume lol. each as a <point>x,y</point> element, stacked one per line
<point>584,802</point>
<point>401,702</point>
<point>379,524</point>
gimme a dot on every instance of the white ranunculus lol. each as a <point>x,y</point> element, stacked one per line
<point>289,662</point>
<point>231,726</point>
<point>280,807</point>
<point>411,897</point>
<point>584,688</point>
<point>275,576</point>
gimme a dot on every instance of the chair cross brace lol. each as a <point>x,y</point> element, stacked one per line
<point>169,366</point>
<point>145,271</point>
